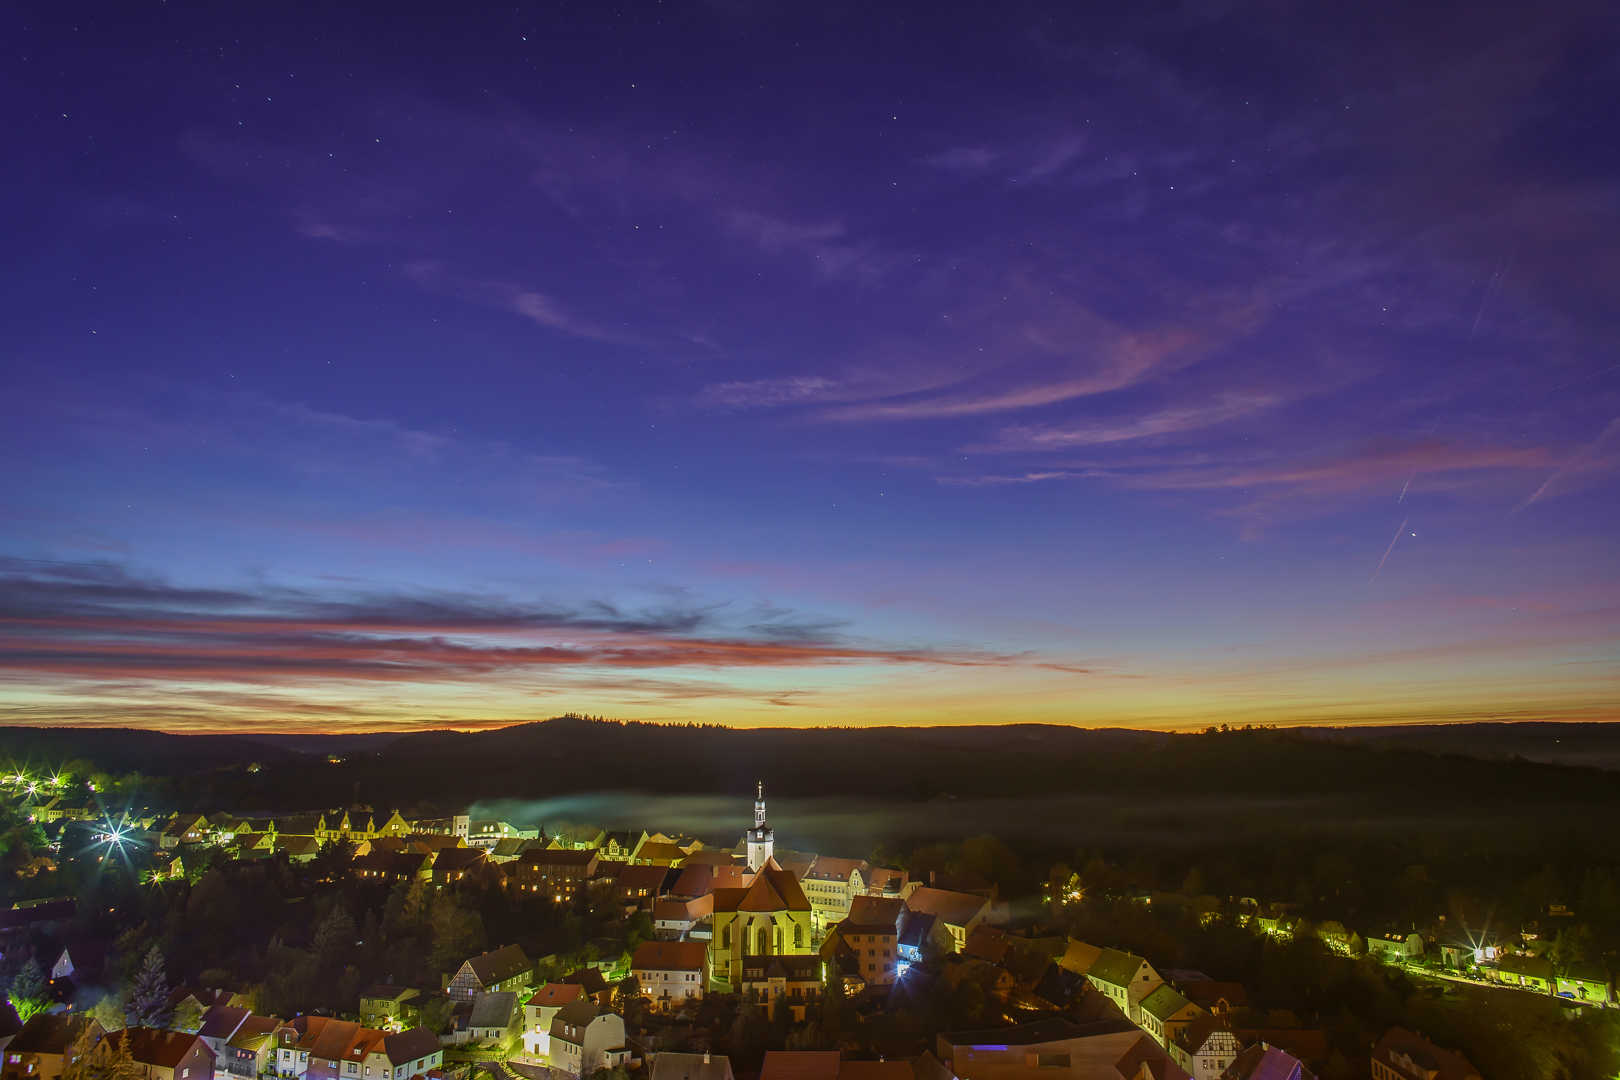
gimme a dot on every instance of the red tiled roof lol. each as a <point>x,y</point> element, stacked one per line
<point>669,956</point>
<point>558,994</point>
<point>801,1065</point>
<point>155,1046</point>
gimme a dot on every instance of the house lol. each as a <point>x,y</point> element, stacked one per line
<point>219,1024</point>
<point>621,846</point>
<point>1585,982</point>
<point>591,984</point>
<point>555,872</point>
<point>831,883</point>
<point>390,1008</point>
<point>1530,972</point>
<point>876,950</point>
<point>1205,1047</point>
<point>1078,957</point>
<point>987,943</point>
<point>1166,1014</point>
<point>778,981</point>
<point>539,1011</point>
<point>639,887</point>
<point>1052,1049</point>
<point>1401,1055</point>
<point>671,972</point>
<point>506,968</point>
<point>328,1049</point>
<point>496,1017</point>
<point>251,1051</point>
<point>1262,1062</point>
<point>959,913</point>
<point>510,848</point>
<point>1306,1044</point>
<point>670,1066</point>
<point>393,866</point>
<point>36,1052</point>
<point>674,919</point>
<point>487,833</point>
<point>653,853</point>
<point>771,917</point>
<point>920,936</point>
<point>585,1037</point>
<point>452,864</point>
<point>1395,949</point>
<point>163,1055</point>
<point>84,963</point>
<point>1125,978</point>
<point>1216,998</point>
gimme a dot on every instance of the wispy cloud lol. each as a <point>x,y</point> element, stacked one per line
<point>1027,437</point>
<point>106,623</point>
<point>765,393</point>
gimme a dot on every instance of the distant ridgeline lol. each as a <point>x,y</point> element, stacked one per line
<point>1383,769</point>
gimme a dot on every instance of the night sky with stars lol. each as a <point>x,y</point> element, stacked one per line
<point>386,366</point>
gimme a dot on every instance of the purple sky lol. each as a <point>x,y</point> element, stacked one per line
<point>381,366</point>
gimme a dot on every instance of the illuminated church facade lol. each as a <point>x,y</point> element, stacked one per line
<point>769,916</point>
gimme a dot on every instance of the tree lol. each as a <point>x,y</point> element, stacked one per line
<point>638,929</point>
<point>1572,945</point>
<point>458,932</point>
<point>627,998</point>
<point>109,1013</point>
<point>94,1057</point>
<point>149,998</point>
<point>28,990</point>
<point>748,1036</point>
<point>187,1017</point>
<point>334,938</point>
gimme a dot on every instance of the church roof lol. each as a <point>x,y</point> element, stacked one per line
<point>772,889</point>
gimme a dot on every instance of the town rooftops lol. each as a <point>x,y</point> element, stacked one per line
<point>45,1033</point>
<point>498,965</point>
<point>1262,1062</point>
<point>671,1066</point>
<point>389,992</point>
<point>1593,973</point>
<point>493,1009</point>
<point>1115,967</point>
<point>877,909</point>
<point>253,1030</point>
<point>650,878</point>
<point>1164,1002</point>
<point>1533,966</point>
<point>801,1065</point>
<point>805,967</point>
<point>1055,1029</point>
<point>154,1046</point>
<point>1200,1031</point>
<point>918,931</point>
<point>1304,1043</point>
<point>557,857</point>
<point>987,943</point>
<point>1410,1055</point>
<point>588,979</point>
<point>221,1021</point>
<point>899,1069</point>
<point>555,995</point>
<point>951,908</point>
<point>412,1045</point>
<point>830,869</point>
<point>1079,957</point>
<point>669,956</point>
<point>1209,995</point>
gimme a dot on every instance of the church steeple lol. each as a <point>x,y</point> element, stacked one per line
<point>761,839</point>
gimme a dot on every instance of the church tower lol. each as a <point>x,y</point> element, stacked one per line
<point>761,840</point>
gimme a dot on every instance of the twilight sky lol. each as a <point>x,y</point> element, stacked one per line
<point>376,366</point>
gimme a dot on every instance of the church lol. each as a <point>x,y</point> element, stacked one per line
<point>768,916</point>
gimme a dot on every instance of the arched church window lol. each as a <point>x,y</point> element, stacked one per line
<point>725,937</point>
<point>764,940</point>
<point>778,939</point>
<point>798,936</point>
